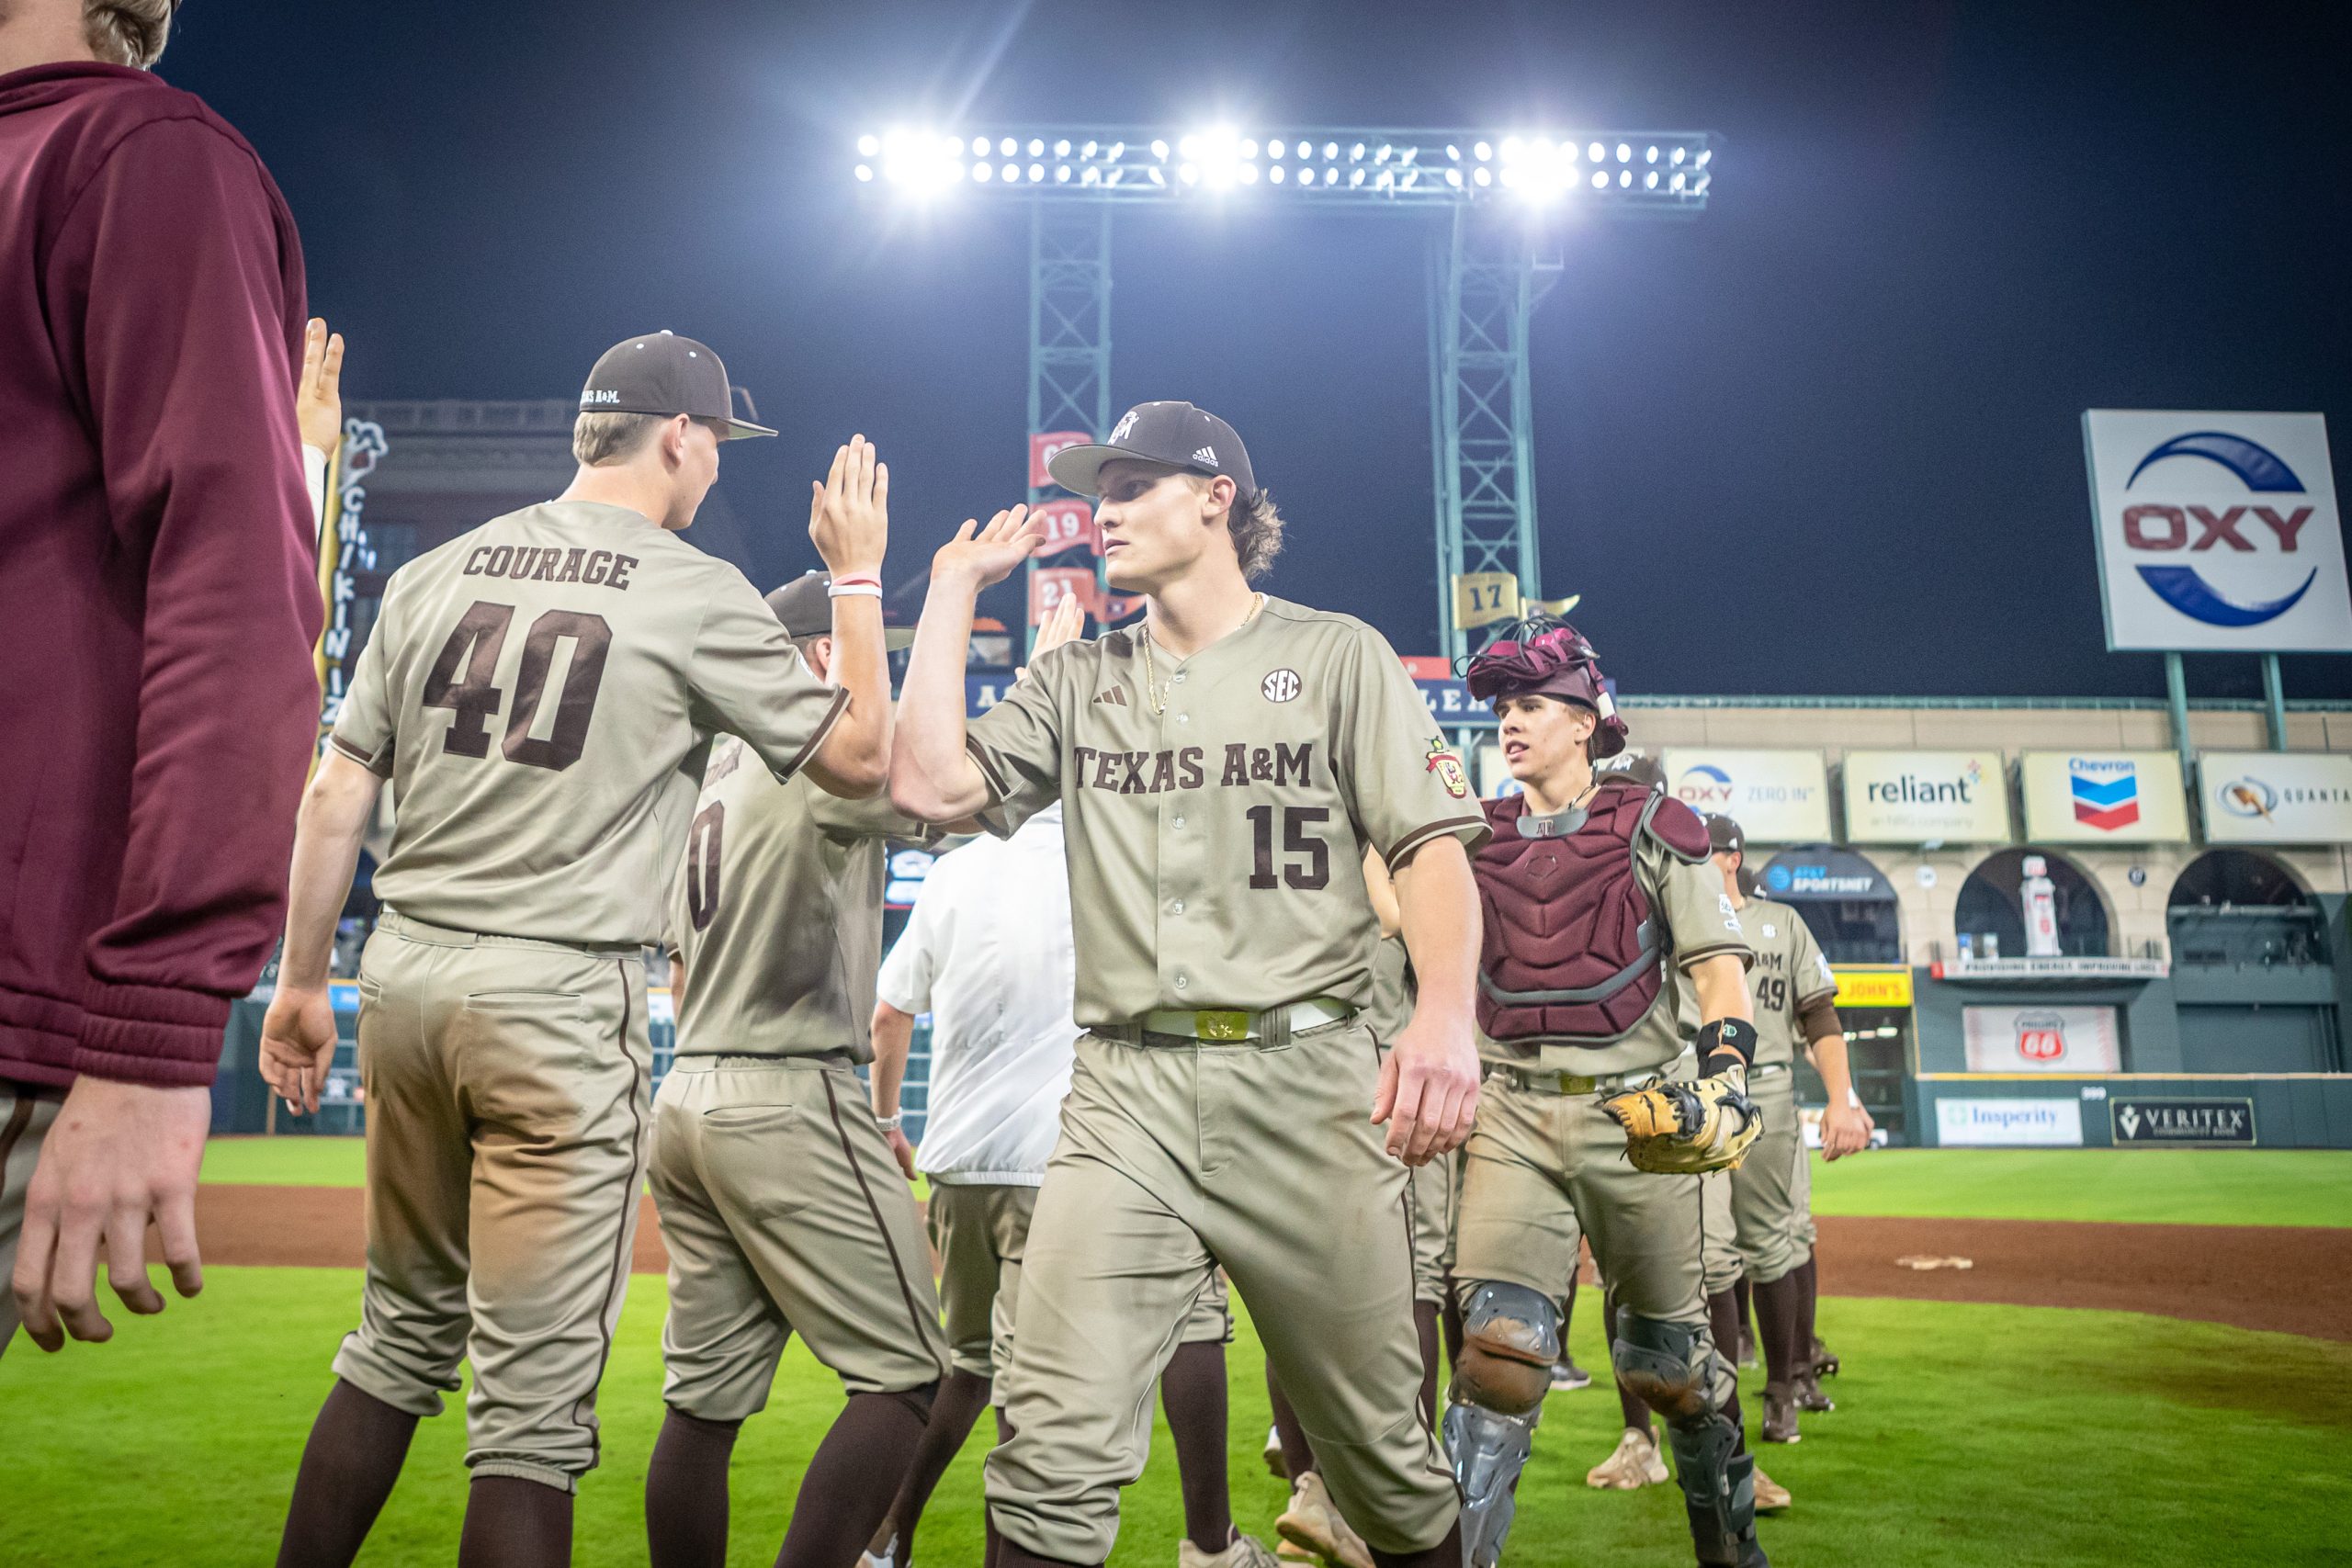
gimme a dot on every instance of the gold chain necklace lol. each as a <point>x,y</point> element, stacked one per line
<point>1153,692</point>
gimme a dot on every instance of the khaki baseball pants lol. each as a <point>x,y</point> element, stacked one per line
<point>27,1112</point>
<point>1545,1170</point>
<point>1176,1157</point>
<point>981,1230</point>
<point>784,1212</point>
<point>506,1090</point>
<point>1764,1206</point>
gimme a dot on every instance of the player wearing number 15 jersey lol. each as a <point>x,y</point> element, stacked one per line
<point>540,692</point>
<point>1221,768</point>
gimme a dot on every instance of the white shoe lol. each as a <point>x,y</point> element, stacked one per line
<point>886,1558</point>
<point>1244,1552</point>
<point>1635,1463</point>
<point>1274,1454</point>
<point>1312,1525</point>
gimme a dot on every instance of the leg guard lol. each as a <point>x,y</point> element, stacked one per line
<point>1511,1337</point>
<point>1488,1450</point>
<point>1674,1369</point>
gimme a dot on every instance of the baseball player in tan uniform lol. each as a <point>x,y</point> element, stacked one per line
<point>1795,994</point>
<point>782,1204</point>
<point>1594,892</point>
<point>1221,766</point>
<point>540,691</point>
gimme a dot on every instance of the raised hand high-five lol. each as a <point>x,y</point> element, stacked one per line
<point>849,511</point>
<point>981,558</point>
<point>318,392</point>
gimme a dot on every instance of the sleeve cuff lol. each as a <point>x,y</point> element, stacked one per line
<point>159,1035</point>
<point>824,727</point>
<point>372,765</point>
<point>1717,950</point>
<point>1472,830</point>
<point>989,774</point>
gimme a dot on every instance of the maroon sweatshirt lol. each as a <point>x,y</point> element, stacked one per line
<point>158,587</point>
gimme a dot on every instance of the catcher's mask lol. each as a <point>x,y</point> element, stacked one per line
<point>1546,657</point>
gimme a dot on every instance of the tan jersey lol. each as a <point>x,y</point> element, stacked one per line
<point>1700,923</point>
<point>777,913</point>
<point>1214,846</point>
<point>538,691</point>
<point>1789,970</point>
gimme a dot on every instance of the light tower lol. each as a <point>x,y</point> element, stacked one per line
<point>1493,258</point>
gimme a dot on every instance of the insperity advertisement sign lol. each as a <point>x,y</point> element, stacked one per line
<point>2217,532</point>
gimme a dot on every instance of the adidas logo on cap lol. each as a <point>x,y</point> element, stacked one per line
<point>1205,454</point>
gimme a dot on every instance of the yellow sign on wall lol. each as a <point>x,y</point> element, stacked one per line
<point>1873,987</point>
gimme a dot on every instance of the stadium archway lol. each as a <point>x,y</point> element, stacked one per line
<point>1992,906</point>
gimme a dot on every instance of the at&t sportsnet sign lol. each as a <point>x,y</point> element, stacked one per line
<point>2218,532</point>
<point>2142,1123</point>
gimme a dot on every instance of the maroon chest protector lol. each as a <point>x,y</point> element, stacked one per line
<point>1572,951</point>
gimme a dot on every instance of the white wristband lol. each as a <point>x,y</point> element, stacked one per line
<point>854,590</point>
<point>889,1123</point>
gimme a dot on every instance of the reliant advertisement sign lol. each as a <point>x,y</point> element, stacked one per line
<point>1923,797</point>
<point>2276,797</point>
<point>2217,531</point>
<point>2101,797</point>
<point>2036,1038</point>
<point>1778,797</point>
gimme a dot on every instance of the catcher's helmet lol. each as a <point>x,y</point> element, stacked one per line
<point>1544,655</point>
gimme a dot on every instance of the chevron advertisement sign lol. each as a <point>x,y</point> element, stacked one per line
<point>2107,793</point>
<point>2096,797</point>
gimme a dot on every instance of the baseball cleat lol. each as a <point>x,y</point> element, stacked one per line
<point>1635,1465</point>
<point>1771,1495</point>
<point>1242,1551</point>
<point>1779,1423</point>
<point>1810,1397</point>
<point>1566,1376</point>
<point>884,1558</point>
<point>1312,1527</point>
<point>1274,1454</point>
<point>1825,1364</point>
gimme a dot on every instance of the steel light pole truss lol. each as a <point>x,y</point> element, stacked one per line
<point>1490,267</point>
<point>1069,326</point>
<point>1486,280</point>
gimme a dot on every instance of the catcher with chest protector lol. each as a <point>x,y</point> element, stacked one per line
<point>1599,904</point>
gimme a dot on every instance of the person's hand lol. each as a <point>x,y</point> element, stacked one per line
<point>1064,623</point>
<point>318,395</point>
<point>298,1040</point>
<point>903,1152</point>
<point>119,1154</point>
<point>1429,1090</point>
<point>985,556</point>
<point>849,513</point>
<point>1845,1130</point>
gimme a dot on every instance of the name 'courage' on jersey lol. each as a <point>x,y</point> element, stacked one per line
<point>540,691</point>
<point>1213,847</point>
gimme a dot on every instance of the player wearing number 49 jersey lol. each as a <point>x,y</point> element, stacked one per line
<point>1221,768</point>
<point>540,692</point>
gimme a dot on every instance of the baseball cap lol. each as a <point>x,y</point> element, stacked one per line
<point>1724,837</point>
<point>805,606</point>
<point>1175,434</point>
<point>665,374</point>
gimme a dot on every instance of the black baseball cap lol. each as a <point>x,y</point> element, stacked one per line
<point>1724,837</point>
<point>1175,434</point>
<point>805,606</point>
<point>665,374</point>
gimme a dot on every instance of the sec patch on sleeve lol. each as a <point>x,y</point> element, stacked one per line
<point>1448,770</point>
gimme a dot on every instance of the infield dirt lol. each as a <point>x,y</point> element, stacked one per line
<point>2275,1277</point>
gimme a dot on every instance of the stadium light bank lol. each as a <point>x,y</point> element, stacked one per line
<point>1659,172</point>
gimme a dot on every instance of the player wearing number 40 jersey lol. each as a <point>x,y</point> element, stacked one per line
<point>540,692</point>
<point>1221,768</point>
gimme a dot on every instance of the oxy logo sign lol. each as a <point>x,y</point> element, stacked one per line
<point>1704,788</point>
<point>2105,792</point>
<point>2218,531</point>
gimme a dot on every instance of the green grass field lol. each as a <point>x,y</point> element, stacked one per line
<point>2233,1187</point>
<point>1966,1434</point>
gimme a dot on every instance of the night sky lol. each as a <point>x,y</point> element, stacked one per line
<point>1824,441</point>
